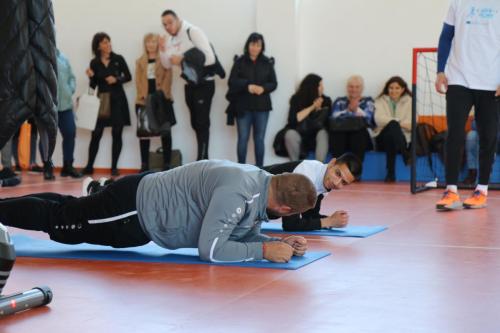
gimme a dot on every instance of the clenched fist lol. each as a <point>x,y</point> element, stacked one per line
<point>277,251</point>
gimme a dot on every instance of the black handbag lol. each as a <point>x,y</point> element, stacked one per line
<point>157,117</point>
<point>314,122</point>
<point>279,143</point>
<point>347,124</point>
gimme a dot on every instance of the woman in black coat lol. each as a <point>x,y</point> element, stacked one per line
<point>108,72</point>
<point>251,82</point>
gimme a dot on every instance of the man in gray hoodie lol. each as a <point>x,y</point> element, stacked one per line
<point>215,206</point>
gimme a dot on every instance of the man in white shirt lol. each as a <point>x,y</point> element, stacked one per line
<point>183,37</point>
<point>469,73</point>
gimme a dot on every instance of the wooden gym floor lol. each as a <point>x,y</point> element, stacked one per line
<point>429,272</point>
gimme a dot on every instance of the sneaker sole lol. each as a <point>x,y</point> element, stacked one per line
<point>454,206</point>
<point>85,184</point>
<point>467,206</point>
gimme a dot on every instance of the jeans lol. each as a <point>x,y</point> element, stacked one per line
<point>244,123</point>
<point>66,123</point>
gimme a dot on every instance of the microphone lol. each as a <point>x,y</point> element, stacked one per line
<point>14,303</point>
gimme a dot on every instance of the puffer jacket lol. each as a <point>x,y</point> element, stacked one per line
<point>246,72</point>
<point>28,70</point>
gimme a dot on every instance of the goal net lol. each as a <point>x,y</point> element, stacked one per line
<point>429,107</point>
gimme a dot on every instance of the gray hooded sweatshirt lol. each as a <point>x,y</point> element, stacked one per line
<point>215,206</point>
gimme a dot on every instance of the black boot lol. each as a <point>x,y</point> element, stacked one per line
<point>88,170</point>
<point>68,170</point>
<point>48,170</point>
<point>202,151</point>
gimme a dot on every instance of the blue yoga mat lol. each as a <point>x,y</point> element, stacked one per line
<point>352,231</point>
<point>41,248</point>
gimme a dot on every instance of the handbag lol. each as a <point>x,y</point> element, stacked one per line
<point>157,117</point>
<point>104,106</point>
<point>314,122</point>
<point>146,126</point>
<point>87,110</point>
<point>347,124</point>
<point>279,143</point>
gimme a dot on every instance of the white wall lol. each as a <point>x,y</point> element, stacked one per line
<point>373,38</point>
<point>334,38</point>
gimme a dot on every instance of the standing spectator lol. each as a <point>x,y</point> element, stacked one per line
<point>357,139</point>
<point>307,102</point>
<point>108,72</point>
<point>393,119</point>
<point>184,36</point>
<point>150,76</point>
<point>66,86</point>
<point>469,74</point>
<point>251,82</point>
<point>7,176</point>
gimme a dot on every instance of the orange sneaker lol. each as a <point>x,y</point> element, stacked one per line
<point>477,200</point>
<point>449,201</point>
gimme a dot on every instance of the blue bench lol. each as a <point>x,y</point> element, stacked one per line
<point>374,168</point>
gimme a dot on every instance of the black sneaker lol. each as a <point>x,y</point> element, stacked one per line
<point>12,181</point>
<point>71,172</point>
<point>35,168</point>
<point>7,173</point>
<point>87,170</point>
<point>390,178</point>
<point>48,171</point>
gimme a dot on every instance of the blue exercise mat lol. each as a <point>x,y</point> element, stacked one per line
<point>352,231</point>
<point>41,248</point>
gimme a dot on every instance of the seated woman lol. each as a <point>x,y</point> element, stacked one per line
<point>349,136</point>
<point>307,120</point>
<point>393,120</point>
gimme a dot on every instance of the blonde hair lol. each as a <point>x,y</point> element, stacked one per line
<point>295,191</point>
<point>357,78</point>
<point>147,38</point>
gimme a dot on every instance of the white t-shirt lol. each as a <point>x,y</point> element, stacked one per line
<point>474,60</point>
<point>315,171</point>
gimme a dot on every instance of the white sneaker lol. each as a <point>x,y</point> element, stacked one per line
<point>103,181</point>
<point>85,186</point>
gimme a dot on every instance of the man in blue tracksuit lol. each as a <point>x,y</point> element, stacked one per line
<point>215,206</point>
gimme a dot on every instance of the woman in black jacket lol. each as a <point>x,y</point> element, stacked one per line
<point>251,81</point>
<point>108,72</point>
<point>307,120</point>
